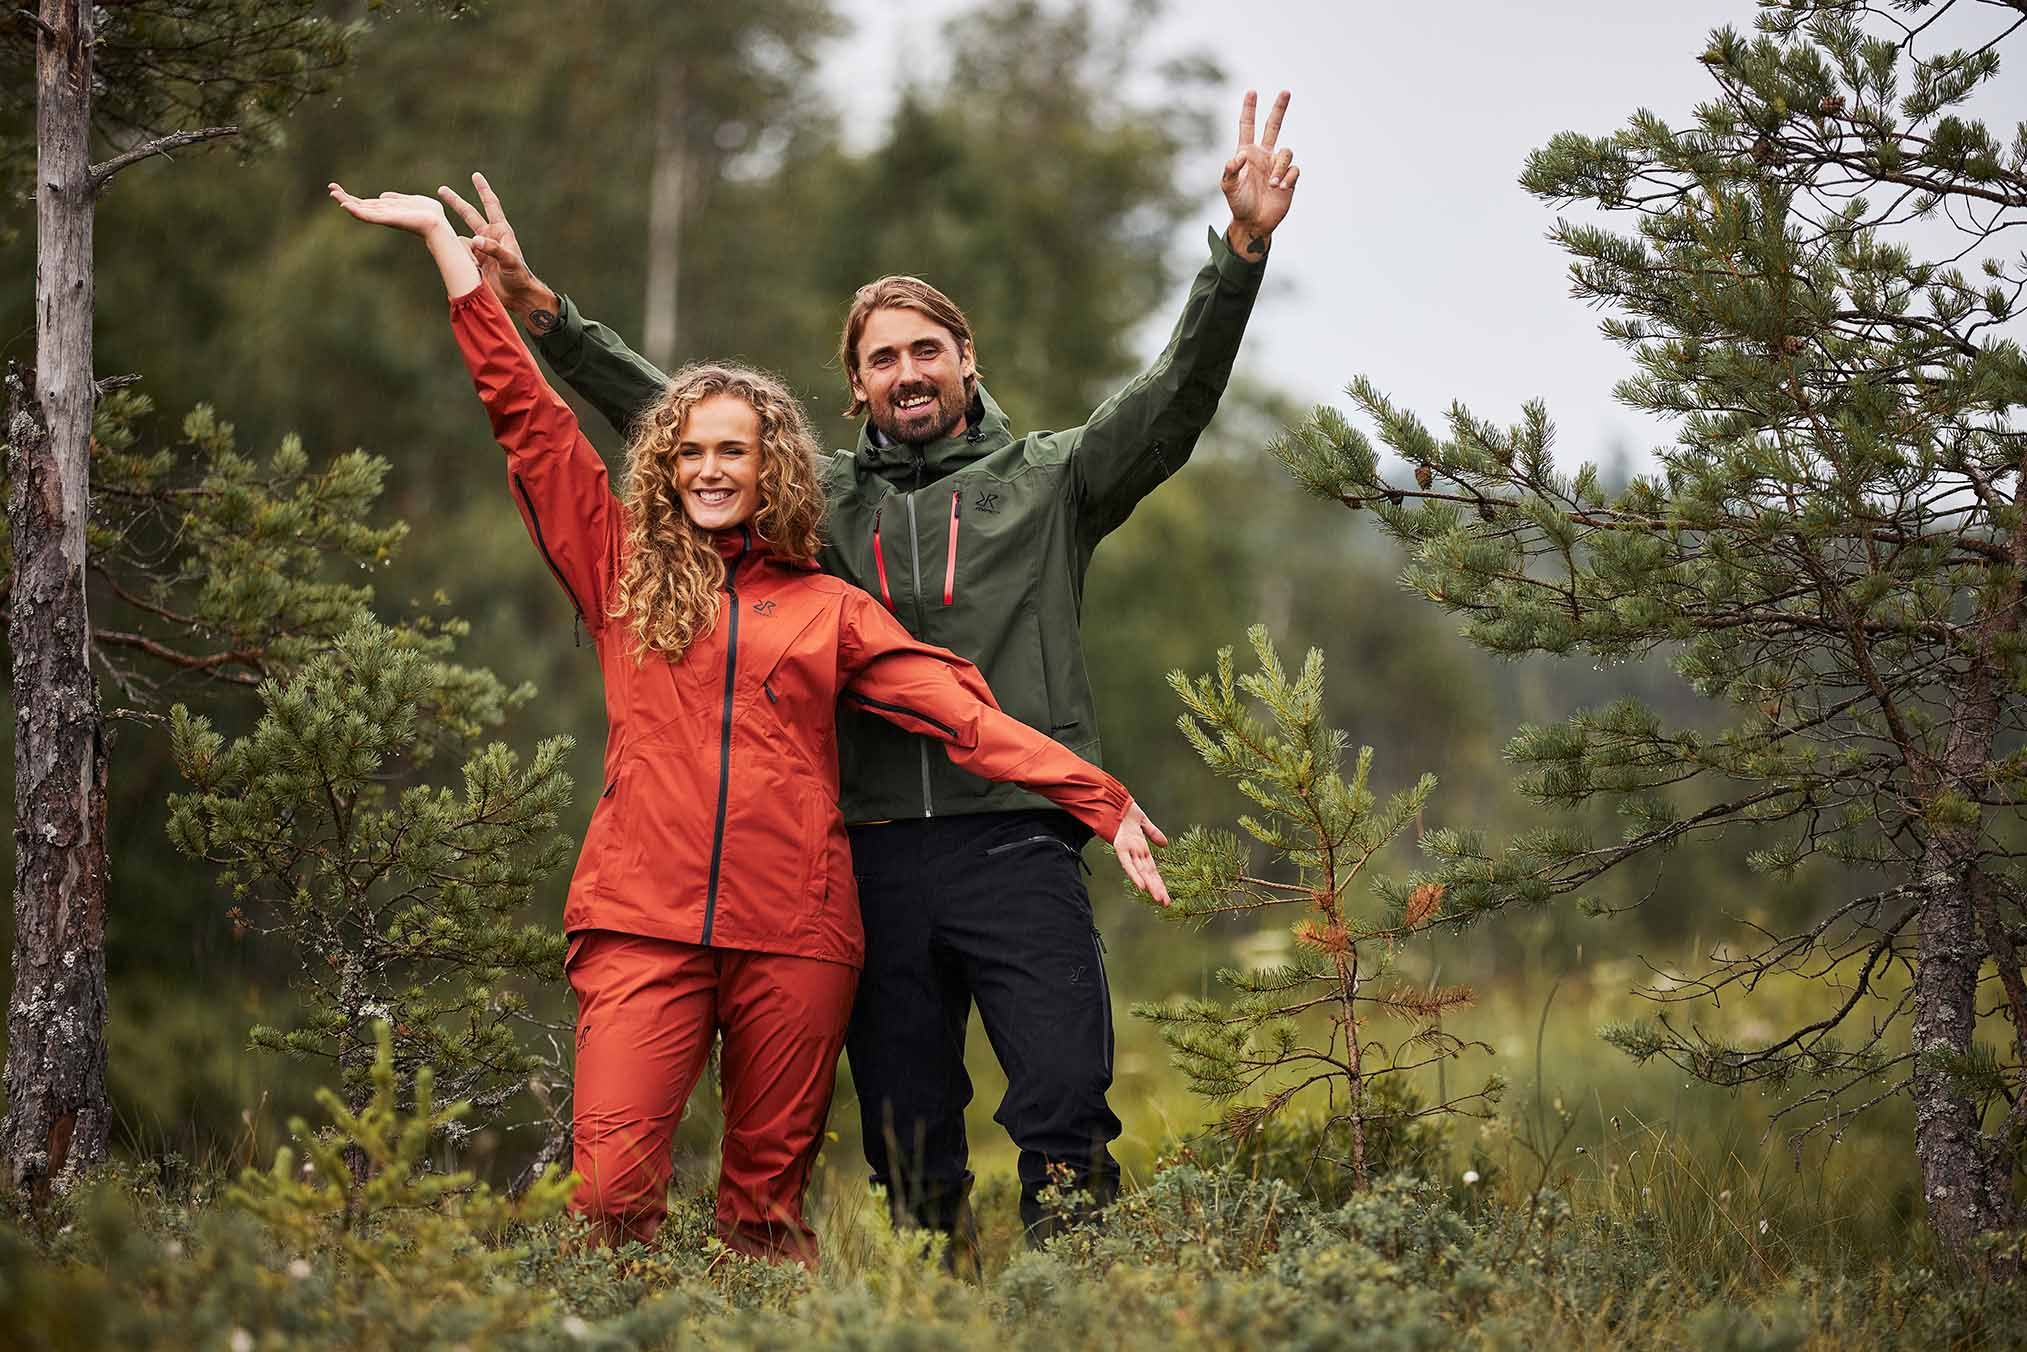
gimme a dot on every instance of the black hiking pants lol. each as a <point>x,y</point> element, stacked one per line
<point>987,908</point>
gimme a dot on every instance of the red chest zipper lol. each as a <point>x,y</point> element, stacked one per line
<point>950,562</point>
<point>880,559</point>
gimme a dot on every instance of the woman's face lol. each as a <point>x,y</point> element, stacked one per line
<point>718,462</point>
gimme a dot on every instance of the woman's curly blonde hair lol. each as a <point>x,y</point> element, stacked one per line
<point>669,584</point>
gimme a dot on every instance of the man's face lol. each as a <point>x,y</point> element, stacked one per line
<point>912,373</point>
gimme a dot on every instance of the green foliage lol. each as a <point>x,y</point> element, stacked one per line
<point>165,66</point>
<point>1828,554</point>
<point>398,897</point>
<point>1325,830</point>
<point>367,1198</point>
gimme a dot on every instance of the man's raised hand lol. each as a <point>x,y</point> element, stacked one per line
<point>1259,179</point>
<point>1131,845</point>
<point>498,253</point>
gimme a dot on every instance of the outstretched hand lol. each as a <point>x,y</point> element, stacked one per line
<point>1259,178</point>
<point>497,251</point>
<point>418,215</point>
<point>1131,845</point>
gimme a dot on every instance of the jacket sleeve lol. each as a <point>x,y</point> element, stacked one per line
<point>596,363</point>
<point>933,692</point>
<point>1145,432</point>
<point>558,480</point>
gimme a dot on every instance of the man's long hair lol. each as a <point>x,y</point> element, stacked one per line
<point>897,293</point>
<point>669,583</point>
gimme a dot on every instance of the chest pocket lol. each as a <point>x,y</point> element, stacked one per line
<point>792,669</point>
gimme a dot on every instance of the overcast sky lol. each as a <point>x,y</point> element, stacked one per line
<point>1411,255</point>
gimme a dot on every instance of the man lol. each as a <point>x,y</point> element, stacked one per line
<point>978,540</point>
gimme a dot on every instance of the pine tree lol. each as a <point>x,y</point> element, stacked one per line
<point>1830,552</point>
<point>145,79</point>
<point>398,898</point>
<point>1255,1052</point>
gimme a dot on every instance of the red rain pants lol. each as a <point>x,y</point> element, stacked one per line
<point>646,1013</point>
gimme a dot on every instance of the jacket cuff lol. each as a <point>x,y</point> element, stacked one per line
<point>563,345</point>
<point>1233,270</point>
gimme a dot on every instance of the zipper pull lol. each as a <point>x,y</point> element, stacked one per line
<point>576,629</point>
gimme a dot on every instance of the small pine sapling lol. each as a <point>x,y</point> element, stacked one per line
<point>1258,1050</point>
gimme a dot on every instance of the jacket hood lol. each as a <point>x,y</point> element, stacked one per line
<point>986,431</point>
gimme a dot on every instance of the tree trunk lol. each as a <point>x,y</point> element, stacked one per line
<point>57,1115</point>
<point>668,194</point>
<point>1966,1179</point>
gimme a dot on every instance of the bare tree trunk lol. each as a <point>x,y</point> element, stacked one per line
<point>668,194</point>
<point>57,1114</point>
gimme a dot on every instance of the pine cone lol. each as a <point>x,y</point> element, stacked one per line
<point>1424,476</point>
<point>1831,106</point>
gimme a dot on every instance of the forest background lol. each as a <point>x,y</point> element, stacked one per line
<point>1052,163</point>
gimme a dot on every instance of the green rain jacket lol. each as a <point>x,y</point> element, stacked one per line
<point>980,542</point>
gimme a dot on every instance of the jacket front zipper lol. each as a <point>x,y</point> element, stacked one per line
<point>542,548</point>
<point>915,558</point>
<point>725,731</point>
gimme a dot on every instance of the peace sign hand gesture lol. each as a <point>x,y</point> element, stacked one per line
<point>1259,179</point>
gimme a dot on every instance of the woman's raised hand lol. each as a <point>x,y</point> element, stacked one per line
<point>418,215</point>
<point>1135,856</point>
<point>399,210</point>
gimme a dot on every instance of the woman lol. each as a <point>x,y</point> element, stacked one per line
<point>714,891</point>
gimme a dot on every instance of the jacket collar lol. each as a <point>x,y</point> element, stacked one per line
<point>986,431</point>
<point>741,545</point>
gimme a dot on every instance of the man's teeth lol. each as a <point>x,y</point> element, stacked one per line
<point>915,401</point>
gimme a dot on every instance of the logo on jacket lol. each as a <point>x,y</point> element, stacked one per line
<point>763,607</point>
<point>987,502</point>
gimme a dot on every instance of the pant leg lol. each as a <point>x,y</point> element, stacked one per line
<point>645,1019</point>
<point>1021,919</point>
<point>784,1023</point>
<point>907,1036</point>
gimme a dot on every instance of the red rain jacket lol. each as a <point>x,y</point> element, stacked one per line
<point>719,820</point>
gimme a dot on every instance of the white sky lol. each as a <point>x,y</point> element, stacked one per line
<point>1412,255</point>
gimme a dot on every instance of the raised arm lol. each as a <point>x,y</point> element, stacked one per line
<point>558,480</point>
<point>934,693</point>
<point>1144,433</point>
<point>592,359</point>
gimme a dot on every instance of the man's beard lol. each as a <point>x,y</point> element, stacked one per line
<point>932,422</point>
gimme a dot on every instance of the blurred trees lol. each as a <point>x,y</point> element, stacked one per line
<point>1831,553</point>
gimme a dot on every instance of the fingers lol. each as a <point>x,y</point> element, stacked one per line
<point>1147,877</point>
<point>1233,167</point>
<point>497,214</point>
<point>1274,115</point>
<point>1278,170</point>
<point>1288,179</point>
<point>466,212</point>
<point>1246,110</point>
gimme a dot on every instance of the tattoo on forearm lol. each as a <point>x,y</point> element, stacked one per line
<point>1257,246</point>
